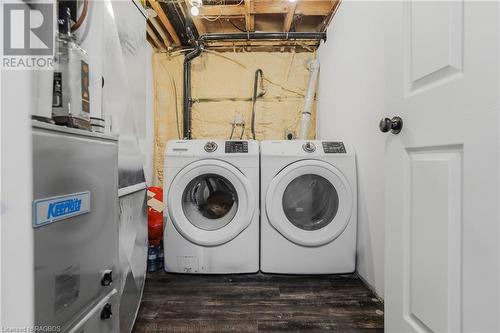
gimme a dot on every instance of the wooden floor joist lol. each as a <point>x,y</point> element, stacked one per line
<point>165,21</point>
<point>289,17</point>
<point>308,8</point>
<point>156,42</point>
<point>159,28</point>
<point>226,16</point>
<point>249,18</point>
<point>222,11</point>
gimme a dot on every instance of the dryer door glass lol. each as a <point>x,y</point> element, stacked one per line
<point>310,202</point>
<point>210,202</point>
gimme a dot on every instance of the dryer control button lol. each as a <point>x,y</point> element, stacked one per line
<point>210,147</point>
<point>236,147</point>
<point>309,147</point>
<point>334,147</point>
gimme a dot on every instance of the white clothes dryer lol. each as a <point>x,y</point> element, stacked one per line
<point>309,207</point>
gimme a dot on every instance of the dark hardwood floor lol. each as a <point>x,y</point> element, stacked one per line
<point>258,303</point>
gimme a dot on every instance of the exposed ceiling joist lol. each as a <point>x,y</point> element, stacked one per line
<point>230,16</point>
<point>320,8</point>
<point>328,19</point>
<point>249,18</point>
<point>289,17</point>
<point>222,11</point>
<point>156,42</point>
<point>309,8</point>
<point>199,24</point>
<point>165,21</point>
<point>159,28</point>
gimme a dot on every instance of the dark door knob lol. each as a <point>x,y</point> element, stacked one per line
<point>395,125</point>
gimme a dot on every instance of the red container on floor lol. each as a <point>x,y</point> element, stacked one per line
<point>155,219</point>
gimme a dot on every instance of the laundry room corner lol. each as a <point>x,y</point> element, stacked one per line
<point>250,166</point>
<point>351,99</point>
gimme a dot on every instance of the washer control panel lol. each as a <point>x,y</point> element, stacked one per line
<point>333,147</point>
<point>236,147</point>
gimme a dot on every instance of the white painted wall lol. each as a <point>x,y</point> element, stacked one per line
<point>351,104</point>
<point>16,242</point>
<point>18,100</point>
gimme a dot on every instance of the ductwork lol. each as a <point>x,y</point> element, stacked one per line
<point>264,35</point>
<point>309,100</point>
<point>187,100</point>
<point>187,90</point>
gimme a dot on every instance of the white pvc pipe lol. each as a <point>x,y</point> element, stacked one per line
<point>309,100</point>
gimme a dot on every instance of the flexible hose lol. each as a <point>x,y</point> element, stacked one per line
<point>242,131</point>
<point>82,17</point>
<point>258,73</point>
<point>232,132</point>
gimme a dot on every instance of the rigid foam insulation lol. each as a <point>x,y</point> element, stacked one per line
<point>222,87</point>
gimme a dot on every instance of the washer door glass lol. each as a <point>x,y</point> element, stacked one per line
<point>310,202</point>
<point>210,202</point>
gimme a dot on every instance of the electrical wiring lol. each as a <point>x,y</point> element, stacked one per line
<point>301,94</point>
<point>223,5</point>
<point>232,131</point>
<point>233,127</point>
<point>176,110</point>
<point>174,88</point>
<point>234,25</point>
<point>289,68</point>
<point>176,53</point>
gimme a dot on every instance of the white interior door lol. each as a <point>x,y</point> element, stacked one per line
<point>442,255</point>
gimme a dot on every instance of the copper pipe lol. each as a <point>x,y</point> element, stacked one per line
<point>82,17</point>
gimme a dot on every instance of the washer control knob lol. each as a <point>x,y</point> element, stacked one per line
<point>309,147</point>
<point>210,147</point>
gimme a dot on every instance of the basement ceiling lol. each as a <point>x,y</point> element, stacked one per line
<point>169,21</point>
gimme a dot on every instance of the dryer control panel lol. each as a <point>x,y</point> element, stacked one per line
<point>333,147</point>
<point>236,147</point>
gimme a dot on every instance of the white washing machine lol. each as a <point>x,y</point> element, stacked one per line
<point>212,215</point>
<point>309,207</point>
